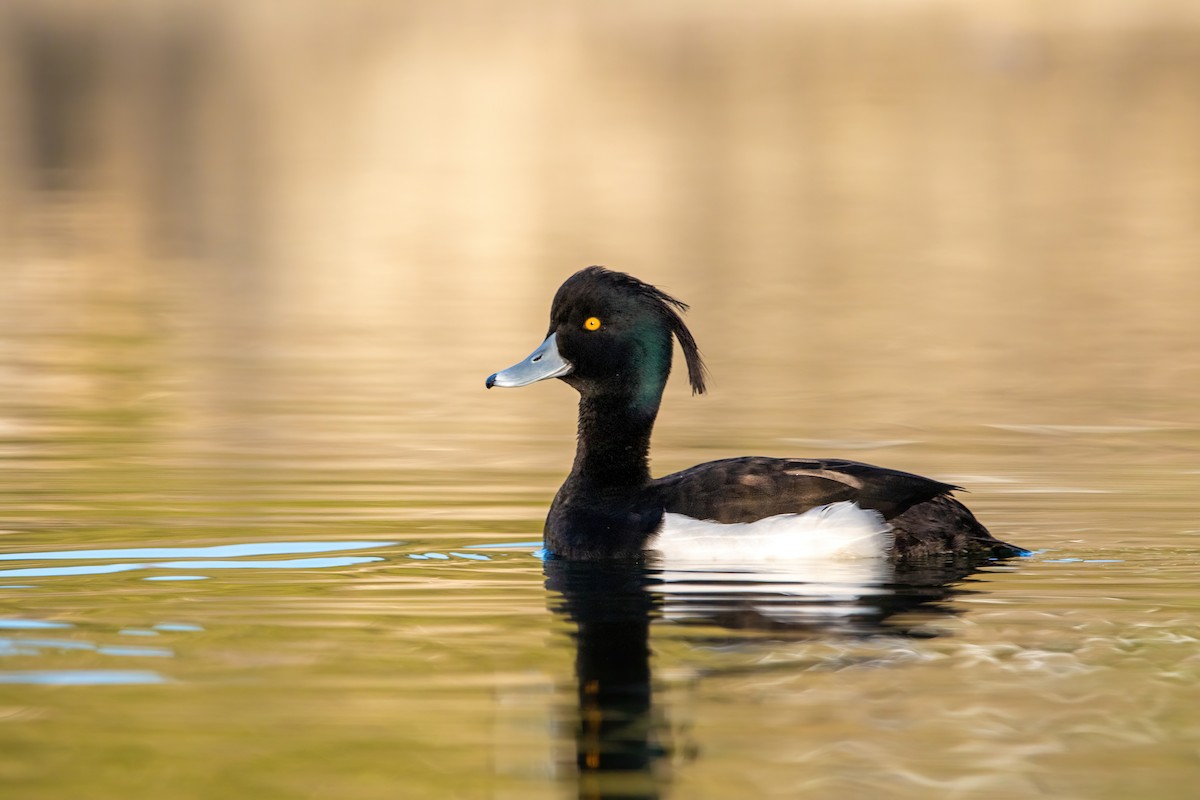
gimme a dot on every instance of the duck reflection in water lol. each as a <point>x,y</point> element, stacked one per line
<point>623,740</point>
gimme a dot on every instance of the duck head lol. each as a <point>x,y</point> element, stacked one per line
<point>610,336</point>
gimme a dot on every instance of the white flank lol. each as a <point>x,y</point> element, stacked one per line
<point>815,567</point>
<point>834,532</point>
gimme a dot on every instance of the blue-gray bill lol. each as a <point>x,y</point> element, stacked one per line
<point>544,362</point>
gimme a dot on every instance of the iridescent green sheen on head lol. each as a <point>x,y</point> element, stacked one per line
<point>653,365</point>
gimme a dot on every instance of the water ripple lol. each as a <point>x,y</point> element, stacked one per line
<point>216,557</point>
<point>30,624</point>
<point>212,551</point>
<point>82,677</point>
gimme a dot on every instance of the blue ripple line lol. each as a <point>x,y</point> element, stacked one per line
<point>100,569</point>
<point>82,677</point>
<point>9,623</point>
<point>213,551</point>
<point>47,644</point>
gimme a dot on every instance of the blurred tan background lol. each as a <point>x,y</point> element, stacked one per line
<point>884,212</point>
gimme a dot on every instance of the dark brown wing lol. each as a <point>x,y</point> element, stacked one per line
<point>750,488</point>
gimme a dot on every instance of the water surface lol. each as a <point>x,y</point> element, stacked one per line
<point>264,534</point>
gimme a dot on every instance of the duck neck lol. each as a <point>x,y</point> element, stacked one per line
<point>614,441</point>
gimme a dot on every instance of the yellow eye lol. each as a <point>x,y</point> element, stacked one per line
<point>592,323</point>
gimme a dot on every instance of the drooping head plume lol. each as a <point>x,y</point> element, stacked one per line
<point>595,280</point>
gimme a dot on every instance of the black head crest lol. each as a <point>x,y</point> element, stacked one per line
<point>667,307</point>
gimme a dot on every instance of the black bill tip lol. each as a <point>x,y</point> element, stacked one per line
<point>491,380</point>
